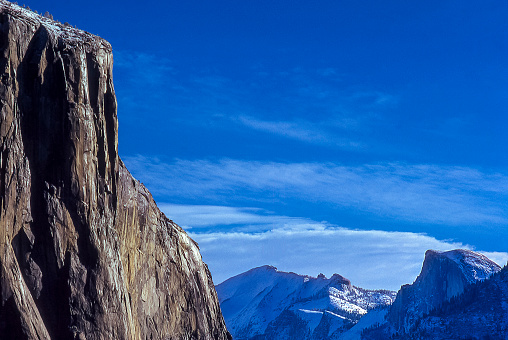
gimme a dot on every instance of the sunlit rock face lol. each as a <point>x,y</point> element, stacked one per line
<point>84,251</point>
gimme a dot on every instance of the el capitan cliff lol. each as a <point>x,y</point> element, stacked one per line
<point>84,251</point>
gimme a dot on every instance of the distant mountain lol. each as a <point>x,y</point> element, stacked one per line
<point>453,294</point>
<point>481,312</point>
<point>264,303</point>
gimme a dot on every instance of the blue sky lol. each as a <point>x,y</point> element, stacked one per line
<point>324,136</point>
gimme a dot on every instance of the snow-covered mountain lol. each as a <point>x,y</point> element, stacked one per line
<point>445,277</point>
<point>459,294</point>
<point>481,312</point>
<point>264,303</point>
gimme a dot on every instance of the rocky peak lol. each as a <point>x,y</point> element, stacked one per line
<point>479,313</point>
<point>443,276</point>
<point>337,279</point>
<point>270,304</point>
<point>84,251</point>
<point>473,266</point>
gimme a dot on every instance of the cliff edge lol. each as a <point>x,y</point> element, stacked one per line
<point>84,251</point>
<point>444,275</point>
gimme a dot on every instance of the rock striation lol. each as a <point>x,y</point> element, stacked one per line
<point>84,251</point>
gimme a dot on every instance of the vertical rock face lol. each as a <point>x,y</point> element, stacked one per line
<point>84,251</point>
<point>481,312</point>
<point>459,294</point>
<point>444,275</point>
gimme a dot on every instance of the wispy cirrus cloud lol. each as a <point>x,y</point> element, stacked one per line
<point>449,195</point>
<point>302,130</point>
<point>204,218</point>
<point>192,216</point>
<point>142,78</point>
<point>144,68</point>
<point>306,105</point>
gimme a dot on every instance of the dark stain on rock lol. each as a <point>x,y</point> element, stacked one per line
<point>84,251</point>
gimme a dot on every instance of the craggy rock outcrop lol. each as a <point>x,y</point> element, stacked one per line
<point>481,312</point>
<point>266,304</point>
<point>444,275</point>
<point>84,251</point>
<point>459,294</point>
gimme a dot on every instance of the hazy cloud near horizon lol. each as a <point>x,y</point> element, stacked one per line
<point>243,225</point>
<point>369,258</point>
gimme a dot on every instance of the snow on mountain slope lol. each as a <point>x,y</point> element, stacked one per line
<point>444,275</point>
<point>480,312</point>
<point>475,266</point>
<point>269,304</point>
<point>371,319</point>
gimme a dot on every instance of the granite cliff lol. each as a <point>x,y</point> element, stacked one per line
<point>444,275</point>
<point>84,251</point>
<point>459,294</point>
<point>481,312</point>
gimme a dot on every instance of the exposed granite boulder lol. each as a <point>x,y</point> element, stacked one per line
<point>84,251</point>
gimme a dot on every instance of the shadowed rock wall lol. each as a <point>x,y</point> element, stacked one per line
<point>84,251</point>
<point>444,275</point>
